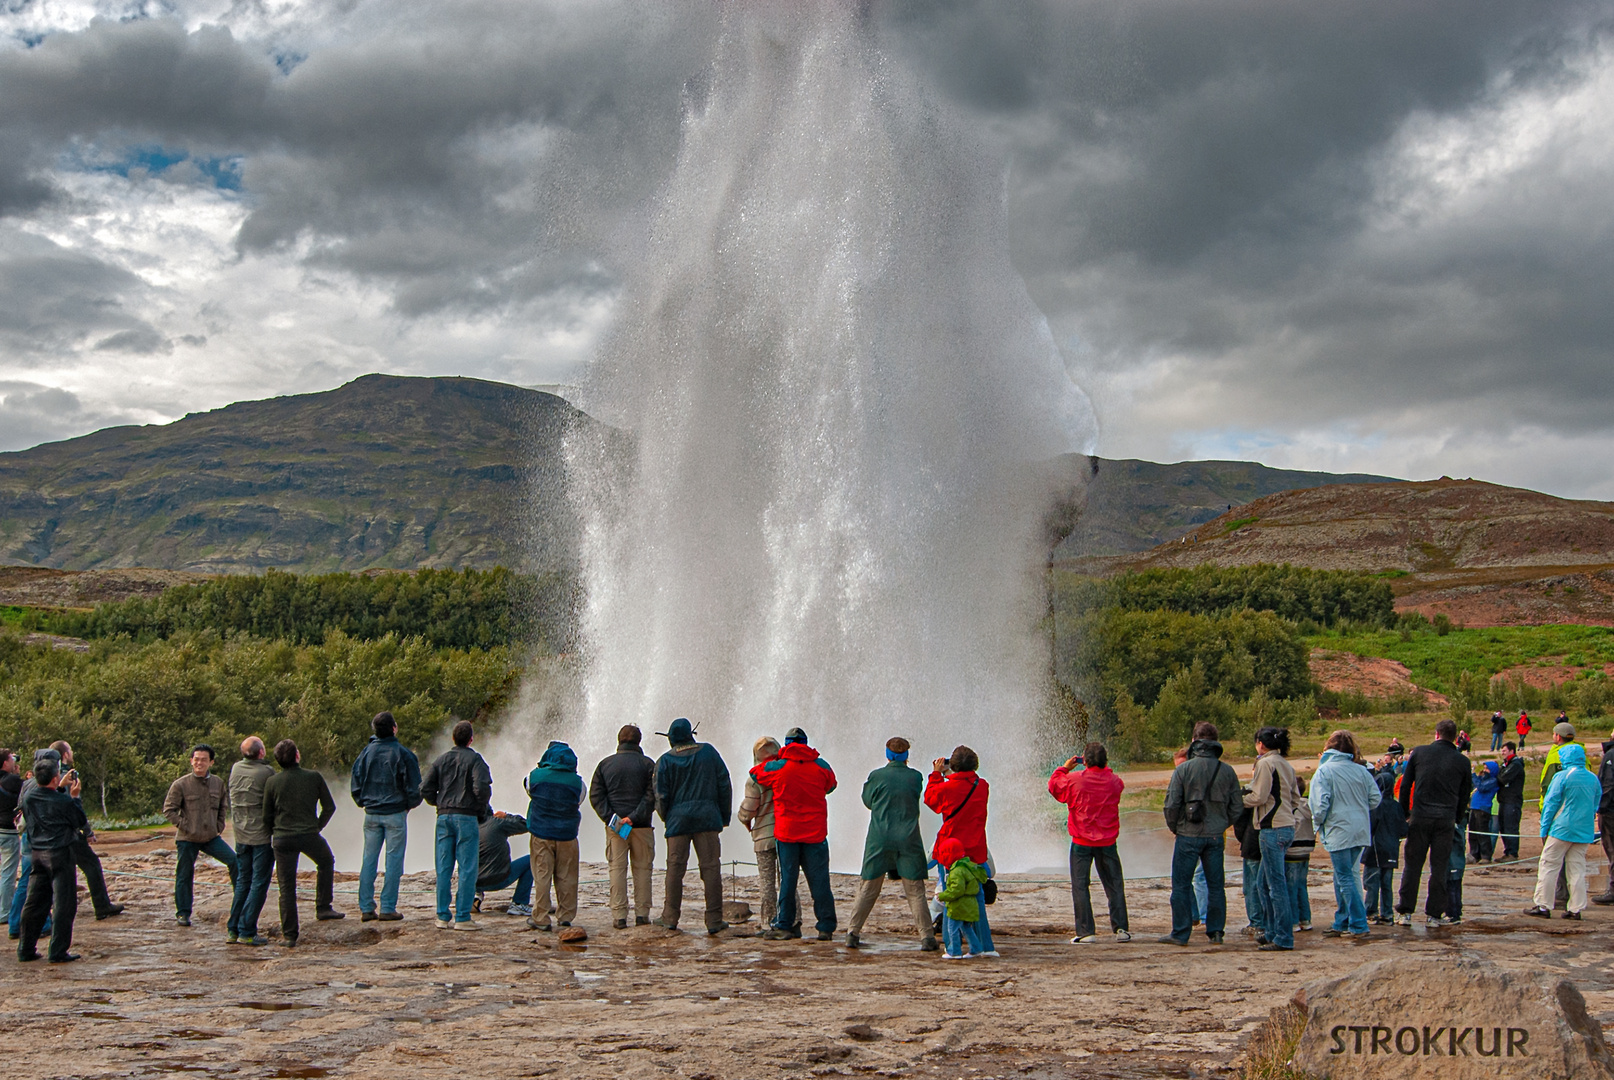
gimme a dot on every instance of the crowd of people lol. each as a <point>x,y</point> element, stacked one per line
<point>1359,813</point>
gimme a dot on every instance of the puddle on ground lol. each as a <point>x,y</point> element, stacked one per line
<point>298,1072</point>
<point>101,1014</point>
<point>273,1006</point>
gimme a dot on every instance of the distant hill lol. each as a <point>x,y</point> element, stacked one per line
<point>1482,553</point>
<point>1134,505</point>
<point>382,472</point>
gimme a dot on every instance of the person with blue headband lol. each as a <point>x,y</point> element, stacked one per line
<point>894,847</point>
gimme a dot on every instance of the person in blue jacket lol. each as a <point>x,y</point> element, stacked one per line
<point>1343,797</point>
<point>1568,825</point>
<point>554,797</point>
<point>386,786</point>
<point>1481,822</point>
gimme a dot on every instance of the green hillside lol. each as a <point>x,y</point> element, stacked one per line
<point>381,472</point>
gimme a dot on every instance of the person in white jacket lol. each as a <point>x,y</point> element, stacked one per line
<point>1343,795</point>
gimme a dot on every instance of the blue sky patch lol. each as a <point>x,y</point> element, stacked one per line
<point>224,170</point>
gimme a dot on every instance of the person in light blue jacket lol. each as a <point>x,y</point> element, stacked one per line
<point>1343,795</point>
<point>1568,825</point>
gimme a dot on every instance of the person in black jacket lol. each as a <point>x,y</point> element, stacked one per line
<point>1435,790</point>
<point>1605,817</point>
<point>624,787</point>
<point>55,819</point>
<point>297,805</point>
<point>84,855</point>
<point>461,787</point>
<point>1510,799</point>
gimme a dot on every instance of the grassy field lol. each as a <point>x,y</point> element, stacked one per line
<point>11,616</point>
<point>1435,661</point>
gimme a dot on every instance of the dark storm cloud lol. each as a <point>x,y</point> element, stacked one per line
<point>52,300</point>
<point>465,156</point>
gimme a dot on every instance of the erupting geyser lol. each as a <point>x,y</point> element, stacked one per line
<point>839,393</point>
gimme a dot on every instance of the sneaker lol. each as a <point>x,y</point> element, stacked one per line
<point>182,920</point>
<point>1435,922</point>
<point>1262,939</point>
<point>231,938</point>
<point>534,924</point>
<point>522,910</point>
<point>776,934</point>
<point>641,920</point>
<point>329,914</point>
<point>443,924</point>
<point>1539,912</point>
<point>822,934</point>
<point>945,956</point>
<point>1454,920</point>
<point>665,925</point>
<point>1085,939</point>
<point>1169,940</point>
<point>1273,946</point>
<point>619,924</point>
<point>853,941</point>
<point>1572,915</point>
<point>1218,938</point>
<point>929,944</point>
<point>476,904</point>
<point>288,943</point>
<point>467,925</point>
<point>1403,920</point>
<point>1605,898</point>
<point>1303,926</point>
<point>1362,938</point>
<point>1332,933</point>
<point>713,931</point>
<point>1126,935</point>
<point>390,916</point>
<point>255,939</point>
<point>990,954</point>
<point>368,916</point>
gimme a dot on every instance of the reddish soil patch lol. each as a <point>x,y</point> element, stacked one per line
<point>1373,676</point>
<point>40,586</point>
<point>1545,677</point>
<point>1537,596</point>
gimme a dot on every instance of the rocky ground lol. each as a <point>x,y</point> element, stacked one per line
<point>358,1000</point>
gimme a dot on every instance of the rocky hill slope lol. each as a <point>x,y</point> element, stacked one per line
<point>381,472</point>
<point>1481,553</point>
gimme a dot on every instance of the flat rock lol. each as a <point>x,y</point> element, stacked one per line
<point>572,933</point>
<point>1448,1017</point>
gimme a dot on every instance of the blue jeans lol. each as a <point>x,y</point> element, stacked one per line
<point>813,860</point>
<point>457,844</point>
<point>255,864</point>
<point>10,854</point>
<point>1299,898</point>
<point>1201,894</point>
<point>1204,852</point>
<point>1379,891</point>
<point>520,876</point>
<point>394,830</point>
<point>1254,911</point>
<point>983,928</point>
<point>1279,927</point>
<point>955,932</point>
<point>185,868</point>
<point>1350,913</point>
<point>1496,740</point>
<point>14,916</point>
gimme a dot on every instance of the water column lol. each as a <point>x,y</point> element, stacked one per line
<point>838,391</point>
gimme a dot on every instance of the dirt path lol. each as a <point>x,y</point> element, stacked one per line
<point>352,1000</point>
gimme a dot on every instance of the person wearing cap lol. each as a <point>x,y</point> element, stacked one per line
<point>695,798</point>
<point>801,782</point>
<point>1568,825</point>
<point>756,814</point>
<point>893,847</point>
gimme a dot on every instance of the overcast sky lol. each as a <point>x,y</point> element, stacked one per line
<point>1364,236</point>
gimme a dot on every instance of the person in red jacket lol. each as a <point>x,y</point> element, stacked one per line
<point>800,781</point>
<point>960,796</point>
<point>1094,797</point>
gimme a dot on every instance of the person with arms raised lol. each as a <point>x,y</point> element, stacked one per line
<point>55,819</point>
<point>1093,793</point>
<point>957,791</point>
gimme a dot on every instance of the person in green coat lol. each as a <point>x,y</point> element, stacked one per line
<point>894,847</point>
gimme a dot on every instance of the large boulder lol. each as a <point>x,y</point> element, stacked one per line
<point>1451,1018</point>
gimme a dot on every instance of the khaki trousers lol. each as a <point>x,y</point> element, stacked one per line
<point>639,849</point>
<point>709,851</point>
<point>768,888</point>
<point>869,891</point>
<point>1570,858</point>
<point>553,861</point>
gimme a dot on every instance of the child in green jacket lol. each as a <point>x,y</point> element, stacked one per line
<point>965,880</point>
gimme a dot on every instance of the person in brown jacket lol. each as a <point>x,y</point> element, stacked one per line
<point>756,814</point>
<point>198,804</point>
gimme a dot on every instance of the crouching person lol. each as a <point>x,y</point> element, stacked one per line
<point>54,819</point>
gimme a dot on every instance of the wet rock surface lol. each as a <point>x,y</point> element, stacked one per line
<point>403,999</point>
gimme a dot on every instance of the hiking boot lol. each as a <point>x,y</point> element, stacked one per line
<point>641,920</point>
<point>329,914</point>
<point>929,944</point>
<point>1362,938</point>
<point>776,934</point>
<point>467,925</point>
<point>1218,938</point>
<point>1273,946</point>
<point>65,958</point>
<point>390,916</point>
<point>852,940</point>
<point>1333,933</point>
<point>713,931</point>
<point>1169,940</point>
<point>619,924</point>
<point>665,925</point>
<point>825,935</point>
<point>1605,898</point>
<point>255,939</point>
<point>108,911</point>
<point>368,916</point>
<point>182,920</point>
<point>1539,912</point>
<point>1262,939</point>
<point>231,938</point>
<point>289,943</point>
<point>443,924</point>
